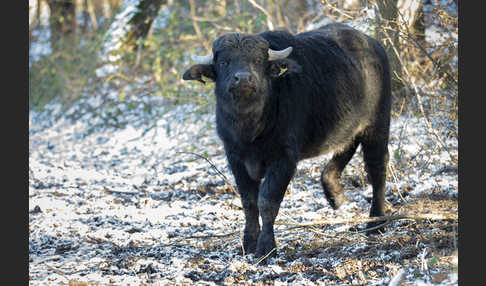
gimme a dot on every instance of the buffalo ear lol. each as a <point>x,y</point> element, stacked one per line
<point>283,67</point>
<point>196,72</point>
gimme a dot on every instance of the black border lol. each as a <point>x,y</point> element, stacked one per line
<point>15,144</point>
<point>471,54</point>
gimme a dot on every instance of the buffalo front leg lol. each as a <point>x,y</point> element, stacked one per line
<point>252,225</point>
<point>272,191</point>
<point>248,190</point>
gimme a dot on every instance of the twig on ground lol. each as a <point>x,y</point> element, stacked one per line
<point>445,169</point>
<point>374,219</point>
<point>397,279</point>
<point>264,257</point>
<point>175,243</point>
<point>121,192</point>
<point>311,228</point>
<point>210,236</point>
<point>375,227</point>
<point>215,168</point>
<point>70,281</point>
<point>57,271</point>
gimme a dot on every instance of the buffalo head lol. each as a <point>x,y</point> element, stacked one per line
<point>242,67</point>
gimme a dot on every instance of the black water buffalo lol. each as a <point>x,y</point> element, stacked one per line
<point>281,98</point>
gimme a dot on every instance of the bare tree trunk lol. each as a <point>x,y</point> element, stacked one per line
<point>418,26</point>
<point>388,34</point>
<point>142,21</point>
<point>411,14</point>
<point>62,20</point>
<point>35,20</point>
<point>92,14</point>
<point>114,5</point>
<point>85,14</point>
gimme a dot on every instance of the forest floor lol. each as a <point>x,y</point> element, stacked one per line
<point>146,204</point>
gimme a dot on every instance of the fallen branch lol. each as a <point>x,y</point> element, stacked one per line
<point>293,225</point>
<point>384,219</point>
<point>210,236</point>
<point>374,219</point>
<point>105,189</point>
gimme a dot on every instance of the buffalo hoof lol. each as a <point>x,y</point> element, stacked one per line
<point>266,246</point>
<point>250,242</point>
<point>335,199</point>
<point>333,190</point>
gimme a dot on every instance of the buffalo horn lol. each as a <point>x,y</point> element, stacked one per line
<point>203,60</point>
<point>277,55</point>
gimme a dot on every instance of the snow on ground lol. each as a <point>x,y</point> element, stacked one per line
<point>136,205</point>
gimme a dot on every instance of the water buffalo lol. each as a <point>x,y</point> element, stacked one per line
<point>281,98</point>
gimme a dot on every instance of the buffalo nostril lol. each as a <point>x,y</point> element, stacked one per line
<point>243,77</point>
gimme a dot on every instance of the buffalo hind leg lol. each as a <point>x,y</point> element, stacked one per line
<point>332,172</point>
<point>375,156</point>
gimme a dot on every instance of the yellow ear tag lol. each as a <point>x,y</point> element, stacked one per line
<point>206,78</point>
<point>282,71</point>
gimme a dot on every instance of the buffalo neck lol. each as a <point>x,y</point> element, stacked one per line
<point>248,126</point>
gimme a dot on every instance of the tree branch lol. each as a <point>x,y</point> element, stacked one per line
<point>269,17</point>
<point>196,26</point>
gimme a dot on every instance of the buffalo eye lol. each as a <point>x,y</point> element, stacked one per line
<point>223,63</point>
